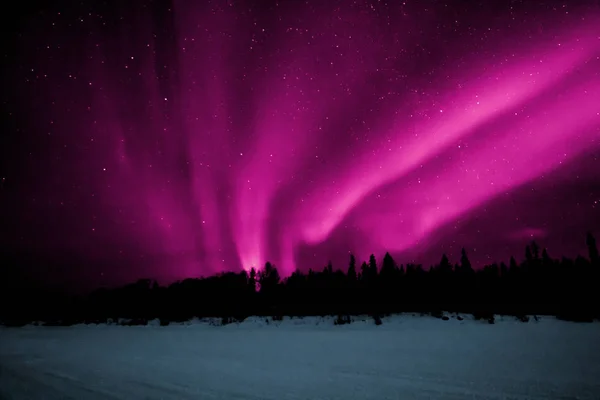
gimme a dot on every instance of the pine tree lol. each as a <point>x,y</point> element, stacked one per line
<point>546,260</point>
<point>445,265</point>
<point>503,269</point>
<point>252,280</point>
<point>535,249</point>
<point>465,264</point>
<point>352,269</point>
<point>364,271</point>
<point>388,266</point>
<point>590,241</point>
<point>528,255</point>
<point>329,268</point>
<point>513,264</point>
<point>269,278</point>
<point>372,266</point>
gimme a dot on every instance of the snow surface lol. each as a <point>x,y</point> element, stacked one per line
<point>408,357</point>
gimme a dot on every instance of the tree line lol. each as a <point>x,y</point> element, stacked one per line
<point>537,285</point>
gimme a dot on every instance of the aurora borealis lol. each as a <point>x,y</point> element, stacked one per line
<point>183,138</point>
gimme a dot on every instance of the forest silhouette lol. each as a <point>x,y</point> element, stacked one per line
<point>538,285</point>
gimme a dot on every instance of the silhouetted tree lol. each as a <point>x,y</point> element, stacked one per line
<point>329,268</point>
<point>465,264</point>
<point>590,241</point>
<point>364,271</point>
<point>535,250</point>
<point>252,280</point>
<point>546,260</point>
<point>372,266</point>
<point>563,287</point>
<point>445,266</point>
<point>528,255</point>
<point>388,267</point>
<point>512,266</point>
<point>269,278</point>
<point>352,269</point>
<point>503,269</point>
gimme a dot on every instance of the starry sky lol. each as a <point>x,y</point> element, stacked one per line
<point>173,139</point>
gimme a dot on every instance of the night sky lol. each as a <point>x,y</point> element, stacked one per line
<point>173,139</point>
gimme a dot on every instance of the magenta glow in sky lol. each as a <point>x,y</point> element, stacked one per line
<point>210,138</point>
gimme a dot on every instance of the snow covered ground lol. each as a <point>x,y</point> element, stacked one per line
<point>405,358</point>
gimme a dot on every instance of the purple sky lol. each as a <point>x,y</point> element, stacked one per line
<point>146,142</point>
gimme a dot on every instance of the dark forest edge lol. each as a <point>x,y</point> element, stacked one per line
<point>539,285</point>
